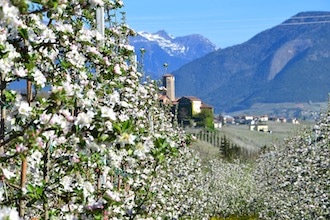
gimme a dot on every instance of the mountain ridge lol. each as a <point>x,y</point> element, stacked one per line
<point>234,78</point>
<point>161,47</point>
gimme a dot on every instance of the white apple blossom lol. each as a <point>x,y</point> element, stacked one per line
<point>85,35</point>
<point>68,88</point>
<point>76,58</point>
<point>20,72</point>
<point>84,119</point>
<point>108,125</point>
<point>38,77</point>
<point>126,138</point>
<point>7,213</point>
<point>5,67</point>
<point>49,135</point>
<point>141,150</point>
<point>117,69</point>
<point>3,191</point>
<point>64,27</point>
<point>123,117</point>
<point>113,195</point>
<point>115,157</point>
<point>7,173</point>
<point>91,95</point>
<point>10,123</point>
<point>24,109</point>
<point>107,112</point>
<point>67,183</point>
<point>20,148</point>
<point>48,36</point>
<point>9,10</point>
<point>114,98</point>
<point>93,50</point>
<point>70,217</point>
<point>88,188</point>
<point>36,156</point>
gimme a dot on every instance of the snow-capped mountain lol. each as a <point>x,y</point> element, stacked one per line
<point>166,42</point>
<point>160,48</point>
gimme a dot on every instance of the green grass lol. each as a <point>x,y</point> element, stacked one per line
<point>206,151</point>
<point>241,135</point>
<point>251,140</point>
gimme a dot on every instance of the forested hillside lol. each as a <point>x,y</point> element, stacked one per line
<point>286,63</point>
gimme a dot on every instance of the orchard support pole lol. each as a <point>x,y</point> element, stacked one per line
<point>101,179</point>
<point>24,160</point>
<point>3,112</point>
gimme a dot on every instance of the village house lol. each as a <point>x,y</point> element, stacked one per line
<point>248,117</point>
<point>217,123</point>
<point>190,106</point>
<point>274,118</point>
<point>293,121</point>
<point>258,126</point>
<point>243,119</point>
<point>283,120</point>
<point>278,119</point>
<point>187,107</point>
<point>263,118</point>
<point>228,119</point>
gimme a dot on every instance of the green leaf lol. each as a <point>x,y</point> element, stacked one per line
<point>23,32</point>
<point>104,137</point>
<point>65,64</point>
<point>116,127</point>
<point>30,65</point>
<point>30,188</point>
<point>39,191</point>
<point>36,1</point>
<point>174,151</point>
<point>130,152</point>
<point>2,53</point>
<point>165,144</point>
<point>126,126</point>
<point>9,96</point>
<point>21,5</point>
<point>161,157</point>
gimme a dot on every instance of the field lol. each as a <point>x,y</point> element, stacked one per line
<point>252,140</point>
<point>241,135</point>
<point>306,110</point>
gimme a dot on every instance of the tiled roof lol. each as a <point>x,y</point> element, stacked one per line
<point>206,105</point>
<point>192,98</point>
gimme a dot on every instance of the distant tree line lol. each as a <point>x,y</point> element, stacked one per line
<point>230,150</point>
<point>227,148</point>
<point>205,119</point>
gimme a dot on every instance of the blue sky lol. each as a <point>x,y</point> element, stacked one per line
<point>223,22</point>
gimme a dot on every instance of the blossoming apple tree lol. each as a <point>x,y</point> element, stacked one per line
<point>85,138</point>
<point>293,180</point>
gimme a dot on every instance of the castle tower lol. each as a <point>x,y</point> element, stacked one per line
<point>168,83</point>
